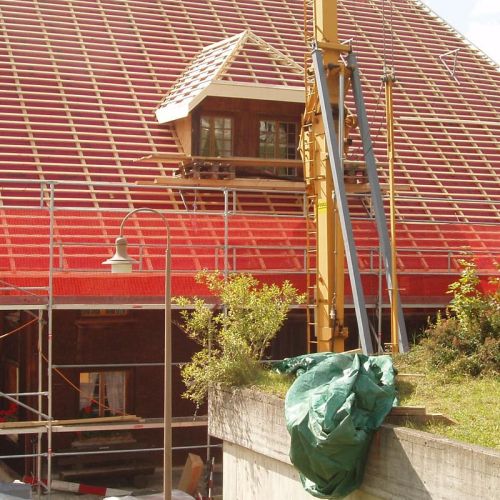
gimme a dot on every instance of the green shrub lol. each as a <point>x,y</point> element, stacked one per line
<point>233,335</point>
<point>467,340</point>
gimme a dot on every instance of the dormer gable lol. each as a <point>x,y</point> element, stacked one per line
<point>243,66</point>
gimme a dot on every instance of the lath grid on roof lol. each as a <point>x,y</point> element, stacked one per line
<point>81,79</point>
<point>447,154</point>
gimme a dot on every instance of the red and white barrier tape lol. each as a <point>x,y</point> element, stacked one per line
<point>79,487</point>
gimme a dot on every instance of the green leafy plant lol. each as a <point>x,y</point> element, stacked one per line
<point>233,334</point>
<point>467,340</point>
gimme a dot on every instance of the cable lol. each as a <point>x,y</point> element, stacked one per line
<point>383,32</point>
<point>356,153</point>
<point>18,328</point>
<point>392,38</point>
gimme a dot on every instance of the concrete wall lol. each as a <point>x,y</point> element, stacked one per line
<point>402,464</point>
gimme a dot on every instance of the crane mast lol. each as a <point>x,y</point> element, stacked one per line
<point>324,145</point>
<point>328,290</point>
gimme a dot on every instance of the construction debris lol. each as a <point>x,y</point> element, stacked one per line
<point>191,474</point>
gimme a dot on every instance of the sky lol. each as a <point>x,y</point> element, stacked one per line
<point>477,20</point>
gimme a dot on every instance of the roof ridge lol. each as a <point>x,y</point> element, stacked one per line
<point>460,35</point>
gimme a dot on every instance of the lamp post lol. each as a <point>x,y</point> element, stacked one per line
<point>121,262</point>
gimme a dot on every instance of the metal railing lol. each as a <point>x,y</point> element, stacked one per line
<point>224,255</point>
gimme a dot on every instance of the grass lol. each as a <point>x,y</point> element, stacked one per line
<point>273,383</point>
<point>472,402</point>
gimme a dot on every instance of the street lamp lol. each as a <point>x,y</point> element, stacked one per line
<point>121,262</point>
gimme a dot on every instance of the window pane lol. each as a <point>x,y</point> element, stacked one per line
<point>102,393</point>
<point>115,391</point>
<point>277,139</point>
<point>205,137</point>
<point>267,131</point>
<point>216,136</point>
<point>89,391</point>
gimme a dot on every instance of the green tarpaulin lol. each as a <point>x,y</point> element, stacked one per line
<point>332,410</point>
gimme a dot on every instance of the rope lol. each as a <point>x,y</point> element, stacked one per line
<point>392,37</point>
<point>391,34</point>
<point>383,33</point>
<point>18,328</point>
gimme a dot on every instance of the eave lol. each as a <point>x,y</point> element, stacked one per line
<point>280,93</point>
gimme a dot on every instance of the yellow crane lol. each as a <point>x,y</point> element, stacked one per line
<point>332,74</point>
<point>328,323</point>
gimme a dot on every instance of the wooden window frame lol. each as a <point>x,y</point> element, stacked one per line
<point>212,139</point>
<point>102,395</point>
<point>285,172</point>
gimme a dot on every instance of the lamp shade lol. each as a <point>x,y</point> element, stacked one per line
<point>121,262</point>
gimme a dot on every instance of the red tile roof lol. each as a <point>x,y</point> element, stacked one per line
<point>80,81</point>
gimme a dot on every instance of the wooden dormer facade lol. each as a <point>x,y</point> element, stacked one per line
<point>243,128</point>
<point>231,124</point>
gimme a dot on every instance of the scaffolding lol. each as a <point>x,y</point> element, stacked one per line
<point>222,229</point>
<point>72,134</point>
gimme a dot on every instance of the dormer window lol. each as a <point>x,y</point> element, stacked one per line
<point>238,99</point>
<point>216,136</point>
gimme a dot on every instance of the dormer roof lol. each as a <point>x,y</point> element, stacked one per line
<point>243,66</point>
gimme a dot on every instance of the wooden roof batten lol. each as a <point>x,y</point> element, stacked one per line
<point>447,146</point>
<point>209,74</point>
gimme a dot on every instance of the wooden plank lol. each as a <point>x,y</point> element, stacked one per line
<point>191,474</point>
<point>408,410</point>
<point>261,184</point>
<point>236,161</point>
<point>134,468</point>
<point>75,421</point>
<point>127,421</point>
<point>365,187</point>
<point>428,418</point>
<point>417,414</point>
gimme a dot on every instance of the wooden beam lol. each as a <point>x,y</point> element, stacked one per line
<point>236,161</point>
<point>75,421</point>
<point>161,157</point>
<point>261,184</point>
<point>265,184</point>
<point>365,187</point>
<point>125,422</point>
<point>408,410</point>
<point>399,415</point>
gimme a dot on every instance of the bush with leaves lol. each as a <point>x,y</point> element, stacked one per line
<point>467,340</point>
<point>235,333</point>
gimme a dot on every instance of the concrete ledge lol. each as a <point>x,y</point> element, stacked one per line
<point>402,464</point>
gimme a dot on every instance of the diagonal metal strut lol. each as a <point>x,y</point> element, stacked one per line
<point>376,197</point>
<point>341,199</point>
